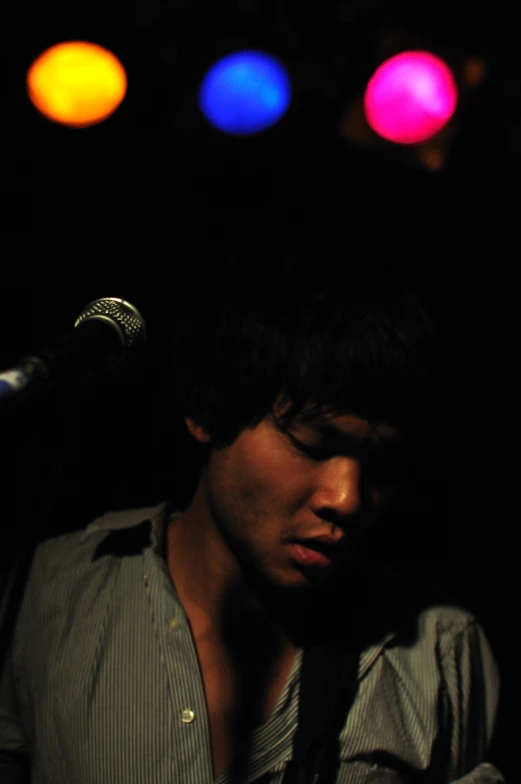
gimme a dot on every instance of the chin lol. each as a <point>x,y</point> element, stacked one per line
<point>299,584</point>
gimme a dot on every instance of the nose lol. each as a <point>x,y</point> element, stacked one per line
<point>338,491</point>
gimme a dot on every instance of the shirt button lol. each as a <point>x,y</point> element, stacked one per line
<point>188,716</point>
<point>174,624</point>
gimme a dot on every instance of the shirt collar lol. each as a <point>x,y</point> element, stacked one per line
<point>121,520</point>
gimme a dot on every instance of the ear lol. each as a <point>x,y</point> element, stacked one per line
<point>198,431</point>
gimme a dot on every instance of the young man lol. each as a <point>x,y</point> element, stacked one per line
<point>170,645</point>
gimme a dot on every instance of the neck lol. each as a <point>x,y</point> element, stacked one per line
<point>205,573</point>
<point>215,592</point>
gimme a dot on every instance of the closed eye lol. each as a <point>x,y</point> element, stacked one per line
<point>383,466</point>
<point>314,451</point>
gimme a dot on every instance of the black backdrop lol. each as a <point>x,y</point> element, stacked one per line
<point>136,208</point>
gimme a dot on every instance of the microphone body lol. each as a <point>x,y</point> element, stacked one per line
<point>107,332</point>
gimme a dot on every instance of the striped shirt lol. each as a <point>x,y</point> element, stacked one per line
<point>102,683</point>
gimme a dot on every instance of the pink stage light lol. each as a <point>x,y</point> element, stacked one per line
<point>410,97</point>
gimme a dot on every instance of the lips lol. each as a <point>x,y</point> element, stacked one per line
<point>317,551</point>
<point>324,539</point>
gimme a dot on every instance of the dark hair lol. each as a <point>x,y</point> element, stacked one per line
<point>323,321</point>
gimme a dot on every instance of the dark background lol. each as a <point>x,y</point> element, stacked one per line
<point>138,206</point>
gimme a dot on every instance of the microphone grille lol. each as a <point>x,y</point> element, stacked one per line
<point>122,316</point>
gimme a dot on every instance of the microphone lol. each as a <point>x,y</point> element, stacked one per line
<point>107,333</point>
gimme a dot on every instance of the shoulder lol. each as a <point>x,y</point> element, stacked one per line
<point>422,605</point>
<point>389,608</point>
<point>432,618</point>
<point>447,624</point>
<point>74,573</point>
<point>66,557</point>
<point>432,630</point>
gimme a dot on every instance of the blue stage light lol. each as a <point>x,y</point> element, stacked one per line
<point>245,93</point>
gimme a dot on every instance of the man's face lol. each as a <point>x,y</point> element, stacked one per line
<point>276,488</point>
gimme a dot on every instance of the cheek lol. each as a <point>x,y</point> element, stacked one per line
<point>240,480</point>
<point>272,484</point>
<point>265,465</point>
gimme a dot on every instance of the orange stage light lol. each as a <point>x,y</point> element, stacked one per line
<point>76,83</point>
